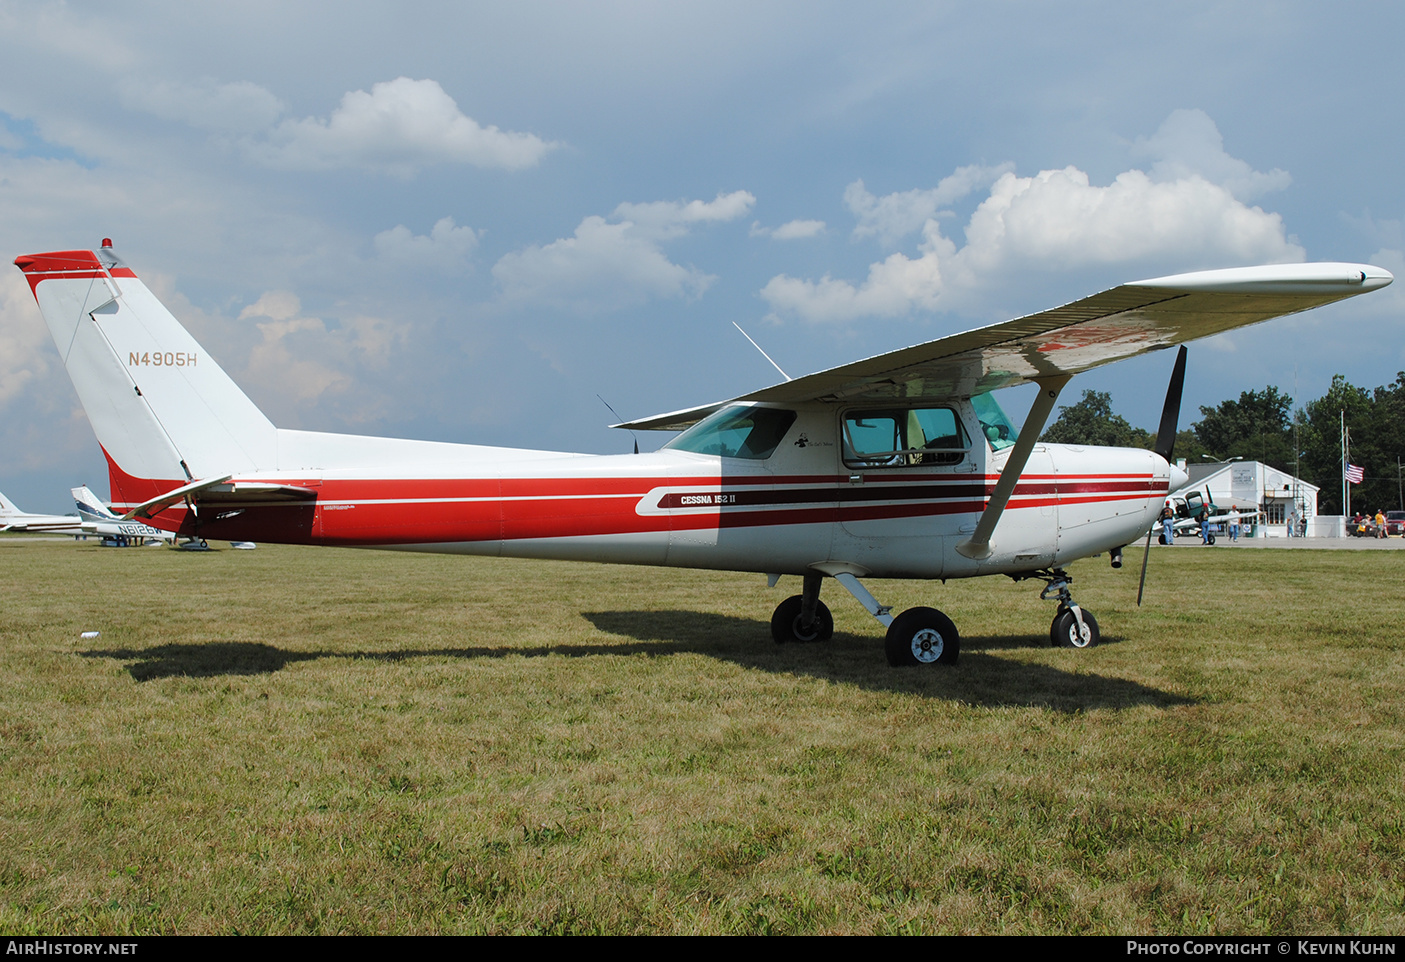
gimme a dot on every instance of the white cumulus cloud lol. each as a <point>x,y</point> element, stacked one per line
<point>1055,220</point>
<point>662,219</point>
<point>609,264</point>
<point>893,217</point>
<point>300,361</point>
<point>444,248</point>
<point>1188,144</point>
<point>790,230</point>
<point>399,127</point>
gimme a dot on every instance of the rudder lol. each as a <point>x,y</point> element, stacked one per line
<point>164,412</point>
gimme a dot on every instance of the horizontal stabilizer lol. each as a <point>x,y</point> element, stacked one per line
<point>223,491</point>
<point>158,504</point>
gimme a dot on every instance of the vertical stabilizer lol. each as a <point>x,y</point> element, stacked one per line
<point>90,506</point>
<point>161,408</point>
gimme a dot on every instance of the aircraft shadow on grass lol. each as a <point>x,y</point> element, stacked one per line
<point>207,660</point>
<point>979,679</point>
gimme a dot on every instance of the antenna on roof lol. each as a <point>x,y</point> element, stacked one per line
<point>617,415</point>
<point>763,353</point>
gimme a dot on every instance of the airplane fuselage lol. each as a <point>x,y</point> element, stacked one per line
<point>811,501</point>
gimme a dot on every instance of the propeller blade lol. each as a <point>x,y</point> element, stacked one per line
<point>1171,413</point>
<point>1146,556</point>
<point>1165,445</point>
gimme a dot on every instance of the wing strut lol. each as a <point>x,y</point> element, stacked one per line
<point>978,545</point>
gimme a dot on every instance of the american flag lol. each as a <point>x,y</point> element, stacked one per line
<point>1355,474</point>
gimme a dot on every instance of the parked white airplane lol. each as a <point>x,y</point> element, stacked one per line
<point>13,519</point>
<point>98,519</point>
<point>899,466</point>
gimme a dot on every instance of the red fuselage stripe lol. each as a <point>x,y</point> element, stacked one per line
<point>409,511</point>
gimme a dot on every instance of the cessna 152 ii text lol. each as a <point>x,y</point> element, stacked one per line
<point>899,466</point>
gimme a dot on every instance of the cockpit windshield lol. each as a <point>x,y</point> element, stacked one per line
<point>994,424</point>
<point>752,433</point>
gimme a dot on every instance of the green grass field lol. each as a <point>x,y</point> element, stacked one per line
<point>297,740</point>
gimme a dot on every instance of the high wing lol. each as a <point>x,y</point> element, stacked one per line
<point>1119,323</point>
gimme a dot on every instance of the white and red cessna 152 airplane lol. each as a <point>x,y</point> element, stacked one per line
<point>899,466</point>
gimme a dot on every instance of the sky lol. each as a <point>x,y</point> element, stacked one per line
<point>481,222</point>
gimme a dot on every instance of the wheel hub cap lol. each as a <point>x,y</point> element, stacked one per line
<point>927,645</point>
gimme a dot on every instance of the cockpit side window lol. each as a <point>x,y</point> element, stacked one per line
<point>994,424</point>
<point>751,433</point>
<point>894,437</point>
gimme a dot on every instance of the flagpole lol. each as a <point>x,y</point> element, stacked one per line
<point>1346,492</point>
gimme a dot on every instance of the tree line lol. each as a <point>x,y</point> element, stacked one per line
<point>1259,427</point>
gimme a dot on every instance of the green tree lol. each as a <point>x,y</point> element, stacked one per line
<point>1257,427</point>
<point>1091,421</point>
<point>1375,421</point>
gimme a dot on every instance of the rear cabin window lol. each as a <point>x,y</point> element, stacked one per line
<point>903,436</point>
<point>736,432</point>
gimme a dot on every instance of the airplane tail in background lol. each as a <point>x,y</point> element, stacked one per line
<point>164,412</point>
<point>8,508</point>
<point>90,506</point>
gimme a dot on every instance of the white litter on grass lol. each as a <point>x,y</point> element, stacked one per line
<point>91,634</point>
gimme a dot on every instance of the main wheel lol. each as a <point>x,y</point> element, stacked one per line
<point>1065,634</point>
<point>785,622</point>
<point>922,636</point>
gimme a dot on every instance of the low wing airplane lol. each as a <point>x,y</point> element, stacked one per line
<point>899,466</point>
<point>13,519</point>
<point>98,519</point>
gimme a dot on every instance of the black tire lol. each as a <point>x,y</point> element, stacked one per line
<point>785,622</point>
<point>1064,632</point>
<point>922,636</point>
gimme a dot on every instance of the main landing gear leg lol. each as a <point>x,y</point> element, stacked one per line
<point>803,617</point>
<point>918,636</point>
<point>1073,626</point>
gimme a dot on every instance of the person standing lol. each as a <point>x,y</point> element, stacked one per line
<point>1234,523</point>
<point>1168,525</point>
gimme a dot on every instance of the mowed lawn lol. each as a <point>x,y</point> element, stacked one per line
<point>296,740</point>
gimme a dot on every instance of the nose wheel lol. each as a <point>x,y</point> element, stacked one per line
<point>1073,631</point>
<point>1074,626</point>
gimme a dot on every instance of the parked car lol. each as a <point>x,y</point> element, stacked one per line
<point>1395,523</point>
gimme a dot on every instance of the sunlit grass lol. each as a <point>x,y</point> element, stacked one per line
<point>305,740</point>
